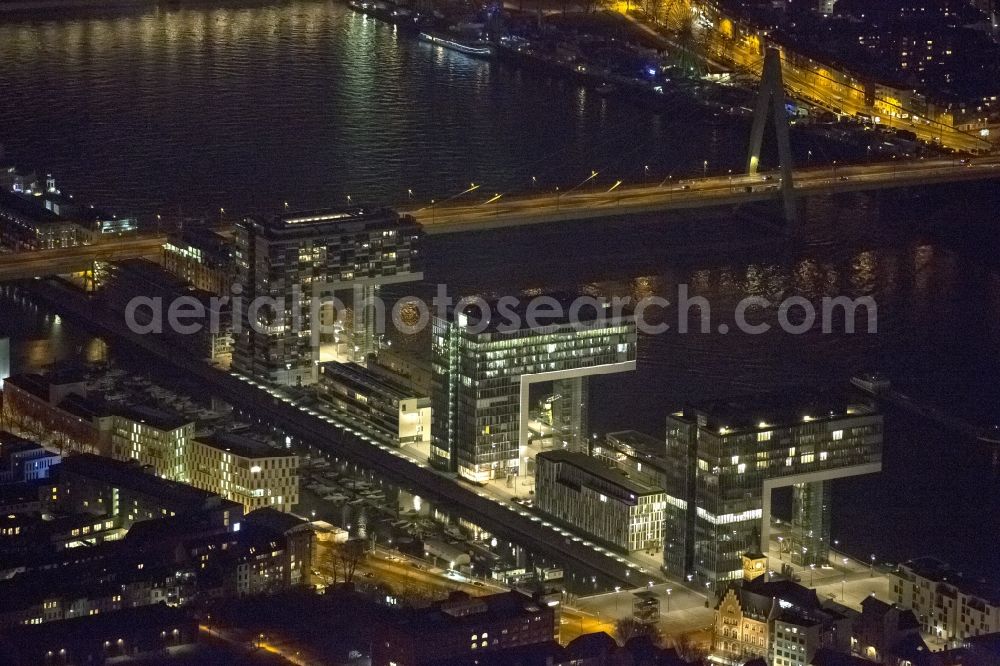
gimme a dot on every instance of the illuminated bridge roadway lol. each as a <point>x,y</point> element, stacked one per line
<point>24,265</point>
<point>500,211</point>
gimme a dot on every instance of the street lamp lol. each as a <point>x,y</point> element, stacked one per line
<point>409,192</point>
<point>842,596</point>
<point>645,174</point>
<point>872,569</point>
<point>781,556</point>
<point>704,167</point>
<point>348,199</point>
<point>617,590</point>
<point>812,573</point>
<point>669,591</point>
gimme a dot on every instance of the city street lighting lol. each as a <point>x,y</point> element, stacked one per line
<point>617,590</point>
<point>812,574</point>
<point>348,199</point>
<point>781,557</point>
<point>409,193</point>
<point>645,174</point>
<point>842,582</point>
<point>872,569</point>
<point>705,167</point>
<point>669,591</point>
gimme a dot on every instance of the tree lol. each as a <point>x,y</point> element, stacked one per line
<point>628,628</point>
<point>339,561</point>
<point>687,648</point>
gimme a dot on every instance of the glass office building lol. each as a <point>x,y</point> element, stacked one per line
<point>483,370</point>
<point>728,457</point>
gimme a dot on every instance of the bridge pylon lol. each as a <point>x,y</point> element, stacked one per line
<point>772,97</point>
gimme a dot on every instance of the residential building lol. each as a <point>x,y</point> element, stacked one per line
<point>4,360</point>
<point>462,626</point>
<point>23,460</point>
<point>642,457</point>
<point>244,470</point>
<point>153,437</point>
<point>130,493</point>
<point>97,638</point>
<point>13,179</point>
<point>210,335</point>
<point>484,365</point>
<point>56,409</point>
<point>599,500</point>
<point>401,415</point>
<point>948,604</point>
<point>413,372</point>
<point>727,457</point>
<point>887,633</point>
<point>201,258</point>
<point>27,223</point>
<point>778,620</point>
<point>291,260</point>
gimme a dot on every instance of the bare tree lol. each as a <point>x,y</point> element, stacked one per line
<point>687,648</point>
<point>628,628</point>
<point>339,561</point>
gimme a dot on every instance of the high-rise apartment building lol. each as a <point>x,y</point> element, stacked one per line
<point>727,457</point>
<point>485,365</point>
<point>284,262</point>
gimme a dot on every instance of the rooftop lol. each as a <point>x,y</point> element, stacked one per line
<point>27,207</point>
<point>641,444</point>
<point>774,410</point>
<point>242,446</point>
<point>940,572</point>
<point>361,378</point>
<point>129,475</point>
<point>340,220</point>
<point>460,608</point>
<point>539,312</point>
<point>597,469</point>
<point>157,418</point>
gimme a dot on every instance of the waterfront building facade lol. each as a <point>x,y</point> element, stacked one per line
<point>483,371</point>
<point>152,437</point>
<point>948,604</point>
<point>245,471</point>
<point>202,258</point>
<point>295,258</point>
<point>727,457</point>
<point>26,223</point>
<point>144,279</point>
<point>400,415</point>
<point>580,490</point>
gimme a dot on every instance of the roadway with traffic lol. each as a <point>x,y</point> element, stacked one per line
<point>38,263</point>
<point>590,201</point>
<point>584,202</point>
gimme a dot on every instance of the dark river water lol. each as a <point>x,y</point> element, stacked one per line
<point>244,107</point>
